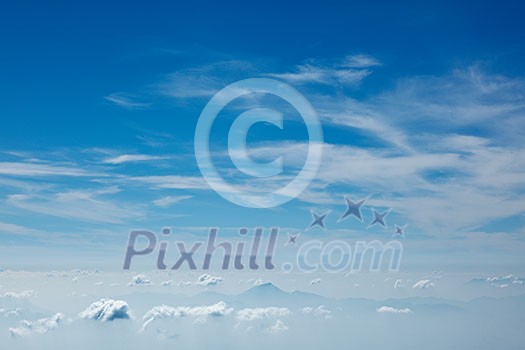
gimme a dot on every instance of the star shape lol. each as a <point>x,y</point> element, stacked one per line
<point>379,218</point>
<point>400,230</point>
<point>318,220</point>
<point>353,208</point>
<point>292,238</point>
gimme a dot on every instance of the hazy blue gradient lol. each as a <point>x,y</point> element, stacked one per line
<point>422,107</point>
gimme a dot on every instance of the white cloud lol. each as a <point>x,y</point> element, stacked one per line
<point>323,75</point>
<point>131,158</point>
<point>260,313</point>
<point>360,61</point>
<point>501,281</point>
<point>315,281</point>
<point>80,272</point>
<point>162,312</point>
<point>203,81</point>
<point>351,113</point>
<point>172,182</point>
<point>467,96</point>
<point>40,326</point>
<point>125,101</point>
<point>424,118</point>
<point>399,284</point>
<point>84,205</point>
<point>208,280</point>
<point>106,310</point>
<point>41,170</point>
<point>320,311</point>
<point>167,201</point>
<point>391,310</point>
<point>11,312</point>
<point>423,284</point>
<point>278,327</point>
<point>189,84</point>
<point>139,280</point>
<point>265,319</point>
<point>350,71</point>
<point>508,279</point>
<point>9,228</point>
<point>19,295</point>
<point>462,172</point>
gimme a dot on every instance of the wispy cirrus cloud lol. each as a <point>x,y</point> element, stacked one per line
<point>189,84</point>
<point>167,201</point>
<point>83,205</point>
<point>8,228</point>
<point>449,167</point>
<point>308,73</point>
<point>360,61</point>
<point>171,182</point>
<point>43,169</point>
<point>126,101</point>
<point>432,159</point>
<point>459,171</point>
<point>467,97</point>
<point>204,80</point>
<point>132,158</point>
<point>347,112</point>
<point>348,72</point>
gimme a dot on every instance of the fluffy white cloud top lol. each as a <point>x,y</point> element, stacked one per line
<point>106,310</point>
<point>259,313</point>
<point>320,311</point>
<point>208,280</point>
<point>392,310</point>
<point>423,284</point>
<point>139,280</point>
<point>162,312</point>
<point>40,326</point>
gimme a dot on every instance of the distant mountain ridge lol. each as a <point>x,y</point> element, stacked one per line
<point>268,294</point>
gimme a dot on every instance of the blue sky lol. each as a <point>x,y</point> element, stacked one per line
<point>422,107</point>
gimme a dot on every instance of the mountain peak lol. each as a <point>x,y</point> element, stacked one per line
<point>267,288</point>
<point>266,285</point>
